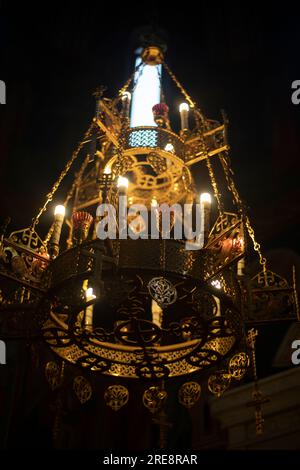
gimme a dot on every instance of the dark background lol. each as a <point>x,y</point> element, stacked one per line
<point>241,57</point>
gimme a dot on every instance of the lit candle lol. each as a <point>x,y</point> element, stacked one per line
<point>88,321</point>
<point>205,205</point>
<point>122,184</point>
<point>59,215</point>
<point>184,116</point>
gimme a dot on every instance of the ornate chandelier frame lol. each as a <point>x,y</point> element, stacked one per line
<point>203,300</point>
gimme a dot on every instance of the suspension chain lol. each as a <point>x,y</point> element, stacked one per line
<point>256,245</point>
<point>239,203</point>
<point>179,86</point>
<point>125,87</point>
<point>69,195</point>
<point>230,182</point>
<point>65,171</point>
<point>214,184</point>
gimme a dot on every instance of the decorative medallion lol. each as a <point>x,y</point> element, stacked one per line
<point>238,365</point>
<point>189,394</point>
<point>53,375</point>
<point>82,389</point>
<point>162,291</point>
<point>219,382</point>
<point>116,396</point>
<point>154,398</point>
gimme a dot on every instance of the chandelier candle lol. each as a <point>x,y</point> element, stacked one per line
<point>184,116</point>
<point>172,308</point>
<point>122,185</point>
<point>89,311</point>
<point>205,204</point>
<point>59,215</point>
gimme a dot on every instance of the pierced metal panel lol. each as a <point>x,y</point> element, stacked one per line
<point>143,138</point>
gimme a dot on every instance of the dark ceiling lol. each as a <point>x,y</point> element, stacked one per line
<point>233,56</point>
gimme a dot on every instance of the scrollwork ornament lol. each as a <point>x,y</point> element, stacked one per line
<point>53,375</point>
<point>189,393</point>
<point>162,291</point>
<point>238,365</point>
<point>82,389</point>
<point>116,396</point>
<point>219,382</point>
<point>154,398</point>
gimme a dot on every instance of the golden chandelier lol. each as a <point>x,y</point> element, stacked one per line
<point>143,309</point>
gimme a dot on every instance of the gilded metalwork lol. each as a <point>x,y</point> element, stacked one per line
<point>257,397</point>
<point>54,374</point>
<point>152,55</point>
<point>154,398</point>
<point>116,396</point>
<point>219,382</point>
<point>162,291</point>
<point>189,393</point>
<point>271,297</point>
<point>238,365</point>
<point>82,389</point>
<point>205,301</point>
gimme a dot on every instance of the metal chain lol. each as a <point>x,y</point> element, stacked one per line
<point>69,195</point>
<point>65,171</point>
<point>238,201</point>
<point>214,184</point>
<point>230,182</point>
<point>256,245</point>
<point>125,87</point>
<point>179,86</point>
<point>296,301</point>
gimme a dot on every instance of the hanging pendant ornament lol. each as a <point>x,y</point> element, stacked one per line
<point>238,365</point>
<point>162,291</point>
<point>154,399</point>
<point>189,394</point>
<point>219,382</point>
<point>82,389</point>
<point>116,396</point>
<point>54,375</point>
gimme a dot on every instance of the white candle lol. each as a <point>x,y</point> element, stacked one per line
<point>59,215</point>
<point>122,184</point>
<point>89,311</point>
<point>184,116</point>
<point>205,205</point>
